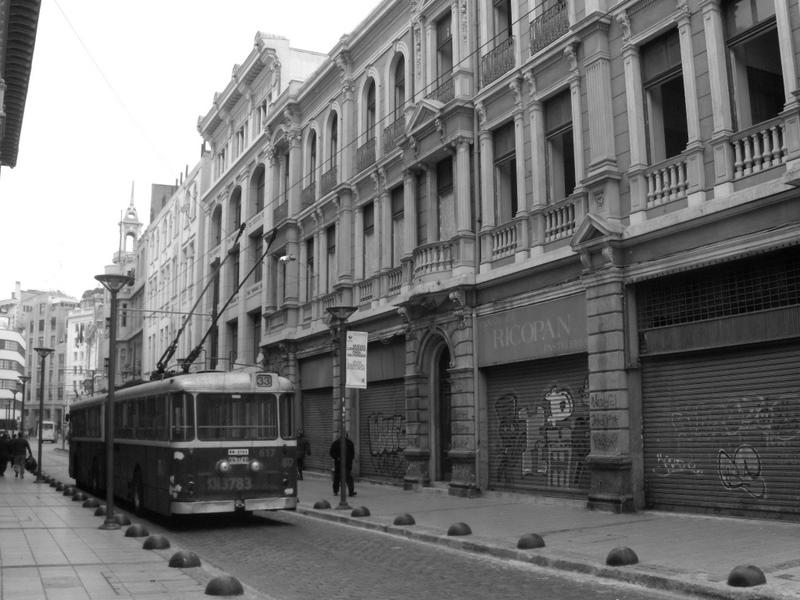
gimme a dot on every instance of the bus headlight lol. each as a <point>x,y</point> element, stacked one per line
<point>223,467</point>
<point>256,465</point>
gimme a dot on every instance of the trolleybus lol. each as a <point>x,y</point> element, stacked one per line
<point>195,443</point>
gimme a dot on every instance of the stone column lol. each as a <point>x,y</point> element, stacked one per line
<point>344,237</point>
<point>609,459</point>
<point>409,213</point>
<point>383,228</point>
<point>538,166</point>
<point>295,173</point>
<point>463,179</point>
<point>348,139</point>
<point>358,242</point>
<point>636,134</point>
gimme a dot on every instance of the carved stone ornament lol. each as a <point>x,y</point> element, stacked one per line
<point>530,79</point>
<point>625,24</point>
<point>516,89</point>
<point>480,109</point>
<point>572,57</point>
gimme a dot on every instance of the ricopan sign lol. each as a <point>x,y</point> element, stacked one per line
<point>541,330</point>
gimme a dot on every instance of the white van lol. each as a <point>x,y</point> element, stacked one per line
<point>48,431</point>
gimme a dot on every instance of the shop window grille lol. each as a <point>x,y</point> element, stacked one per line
<point>759,283</point>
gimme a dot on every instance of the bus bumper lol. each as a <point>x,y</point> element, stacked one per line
<point>223,506</point>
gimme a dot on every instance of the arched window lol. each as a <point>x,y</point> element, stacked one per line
<point>370,113</point>
<point>258,189</point>
<point>312,157</point>
<point>216,226</point>
<point>235,208</point>
<point>399,87</point>
<point>334,139</point>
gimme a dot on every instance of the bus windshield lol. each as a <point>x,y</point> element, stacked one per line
<point>237,417</point>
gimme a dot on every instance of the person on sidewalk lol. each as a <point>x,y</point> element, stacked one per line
<point>20,449</point>
<point>303,450</point>
<point>4,452</point>
<point>336,453</point>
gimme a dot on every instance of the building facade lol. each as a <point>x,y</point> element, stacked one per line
<point>12,367</point>
<point>568,227</point>
<point>84,367</point>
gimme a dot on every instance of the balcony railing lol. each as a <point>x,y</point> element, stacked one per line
<point>444,91</point>
<point>366,291</point>
<point>395,278</point>
<point>308,195</point>
<point>280,212</point>
<point>759,148</point>
<point>503,241</point>
<point>549,26</point>
<point>559,219</point>
<point>365,155</point>
<point>392,133</point>
<point>497,62</point>
<point>435,257</point>
<point>667,181</point>
<point>328,181</point>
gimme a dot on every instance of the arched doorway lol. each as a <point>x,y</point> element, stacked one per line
<point>441,390</point>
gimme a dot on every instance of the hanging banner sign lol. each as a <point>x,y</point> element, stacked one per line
<point>356,360</point>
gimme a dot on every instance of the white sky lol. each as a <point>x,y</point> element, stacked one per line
<point>116,88</point>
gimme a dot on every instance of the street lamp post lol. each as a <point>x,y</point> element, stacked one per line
<point>339,316</point>
<point>113,283</point>
<point>23,379</point>
<point>43,354</point>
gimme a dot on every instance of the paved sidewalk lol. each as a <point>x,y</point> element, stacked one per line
<point>51,549</point>
<point>689,554</point>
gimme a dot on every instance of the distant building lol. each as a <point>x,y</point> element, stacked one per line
<point>83,365</point>
<point>41,318</point>
<point>12,366</point>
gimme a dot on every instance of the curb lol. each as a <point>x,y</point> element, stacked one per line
<point>631,575</point>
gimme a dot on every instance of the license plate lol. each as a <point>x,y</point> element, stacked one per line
<point>224,484</point>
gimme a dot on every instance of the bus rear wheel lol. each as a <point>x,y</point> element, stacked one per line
<point>137,492</point>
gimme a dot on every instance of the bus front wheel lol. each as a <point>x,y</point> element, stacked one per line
<point>138,493</point>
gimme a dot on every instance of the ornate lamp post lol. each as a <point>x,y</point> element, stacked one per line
<point>23,379</point>
<point>113,283</point>
<point>340,314</point>
<point>43,354</point>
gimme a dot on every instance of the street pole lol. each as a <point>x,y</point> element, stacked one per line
<point>339,316</point>
<point>43,354</point>
<point>23,379</point>
<point>113,283</point>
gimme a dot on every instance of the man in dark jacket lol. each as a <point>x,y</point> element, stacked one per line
<point>4,452</point>
<point>336,453</point>
<point>20,448</point>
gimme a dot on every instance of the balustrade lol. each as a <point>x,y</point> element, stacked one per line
<point>392,132</point>
<point>435,257</point>
<point>503,241</point>
<point>667,181</point>
<point>497,62</point>
<point>445,91</point>
<point>327,181</point>
<point>395,279</point>
<point>559,220</point>
<point>365,155</point>
<point>549,26</point>
<point>308,195</point>
<point>758,148</point>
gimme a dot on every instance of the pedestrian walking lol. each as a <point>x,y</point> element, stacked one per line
<point>4,452</point>
<point>20,449</point>
<point>336,453</point>
<point>303,450</point>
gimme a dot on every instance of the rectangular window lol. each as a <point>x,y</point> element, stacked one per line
<point>398,216</point>
<point>310,269</point>
<point>257,249</point>
<point>370,242</point>
<point>237,417</point>
<point>444,48</point>
<point>330,236</point>
<point>505,173</point>
<point>662,78</point>
<point>559,147</point>
<point>755,61</point>
<point>446,199</point>
<point>502,21</point>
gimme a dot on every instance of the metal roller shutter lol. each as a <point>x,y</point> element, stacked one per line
<point>382,430</point>
<point>317,420</point>
<point>722,431</point>
<point>538,416</point>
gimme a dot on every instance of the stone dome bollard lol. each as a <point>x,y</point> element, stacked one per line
<point>224,585</point>
<point>360,511</point>
<point>530,541</point>
<point>746,576</point>
<point>621,556</point>
<point>184,559</point>
<point>91,503</point>
<point>459,529</point>
<point>137,530</point>
<point>404,519</point>
<point>156,542</point>
<point>322,504</point>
